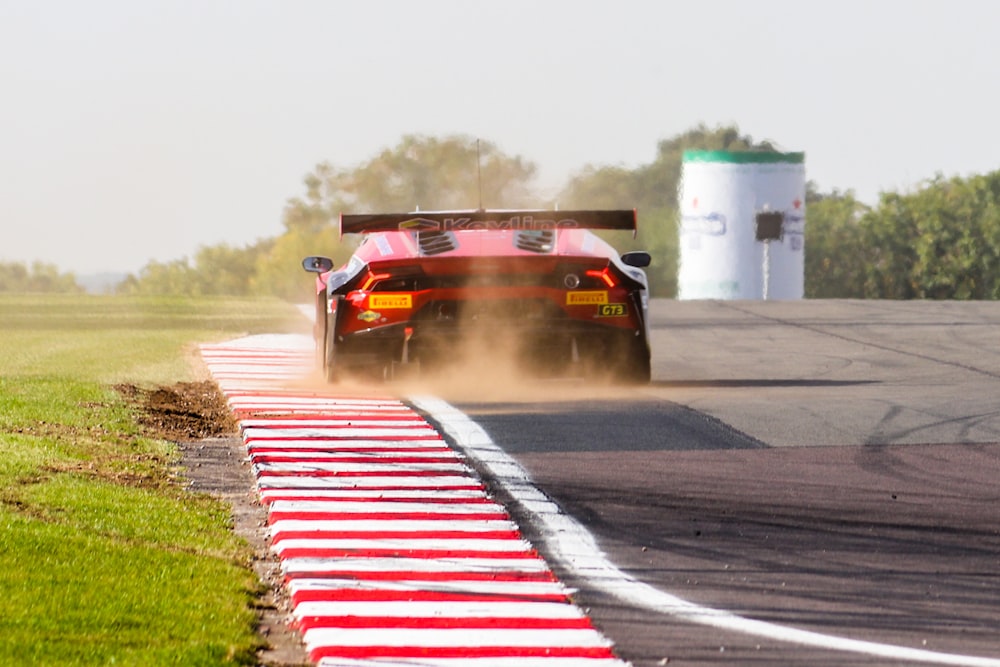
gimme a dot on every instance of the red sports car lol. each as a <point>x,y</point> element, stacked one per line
<point>422,284</point>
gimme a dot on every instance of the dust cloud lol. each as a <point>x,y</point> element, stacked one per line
<point>483,368</point>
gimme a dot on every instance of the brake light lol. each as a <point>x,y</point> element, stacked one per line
<point>605,275</point>
<point>371,279</point>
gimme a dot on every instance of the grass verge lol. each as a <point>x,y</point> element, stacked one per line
<point>104,557</point>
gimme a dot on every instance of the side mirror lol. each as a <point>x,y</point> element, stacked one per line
<point>637,258</point>
<point>317,264</point>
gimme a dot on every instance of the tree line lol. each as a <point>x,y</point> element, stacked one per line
<point>940,241</point>
<point>18,277</point>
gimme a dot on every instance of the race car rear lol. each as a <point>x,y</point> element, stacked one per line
<point>423,289</point>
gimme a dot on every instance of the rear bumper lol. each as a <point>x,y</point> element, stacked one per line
<point>544,344</point>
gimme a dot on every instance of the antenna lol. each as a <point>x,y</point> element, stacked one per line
<point>479,174</point>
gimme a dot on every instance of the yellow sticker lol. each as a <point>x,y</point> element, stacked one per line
<point>612,310</point>
<point>586,298</point>
<point>388,301</point>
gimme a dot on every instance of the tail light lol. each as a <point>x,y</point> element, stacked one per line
<point>604,275</point>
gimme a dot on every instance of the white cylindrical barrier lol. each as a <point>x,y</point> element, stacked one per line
<point>742,218</point>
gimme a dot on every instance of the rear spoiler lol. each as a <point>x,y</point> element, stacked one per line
<point>443,221</point>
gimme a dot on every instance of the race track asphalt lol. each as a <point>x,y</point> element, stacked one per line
<point>829,466</point>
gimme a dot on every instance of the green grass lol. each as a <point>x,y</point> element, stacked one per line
<point>104,558</point>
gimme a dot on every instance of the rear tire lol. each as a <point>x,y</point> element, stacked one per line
<point>330,349</point>
<point>319,331</point>
<point>637,371</point>
<point>634,364</point>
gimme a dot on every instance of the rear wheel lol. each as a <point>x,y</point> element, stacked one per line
<point>330,365</point>
<point>634,366</point>
<point>319,331</point>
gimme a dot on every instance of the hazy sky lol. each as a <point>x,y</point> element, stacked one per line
<point>138,130</point>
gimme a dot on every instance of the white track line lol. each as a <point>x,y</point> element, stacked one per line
<point>450,609</point>
<point>265,481</point>
<point>518,589</point>
<point>400,495</point>
<point>577,550</point>
<point>521,661</point>
<point>342,468</point>
<point>329,423</point>
<point>321,506</point>
<point>274,434</point>
<point>402,564</point>
<point>398,525</point>
<point>329,456</point>
<point>454,637</point>
<point>402,544</point>
<point>343,445</point>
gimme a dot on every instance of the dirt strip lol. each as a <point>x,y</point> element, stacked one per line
<point>196,417</point>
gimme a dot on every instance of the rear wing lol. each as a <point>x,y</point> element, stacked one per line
<point>443,221</point>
